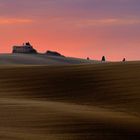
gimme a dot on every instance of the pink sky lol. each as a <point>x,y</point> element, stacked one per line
<point>78,28</point>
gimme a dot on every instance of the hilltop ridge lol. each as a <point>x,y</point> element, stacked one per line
<point>40,59</point>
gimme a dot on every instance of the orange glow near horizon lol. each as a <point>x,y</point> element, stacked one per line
<point>74,28</point>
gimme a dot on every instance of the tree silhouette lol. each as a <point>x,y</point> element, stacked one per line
<point>124,59</point>
<point>103,58</point>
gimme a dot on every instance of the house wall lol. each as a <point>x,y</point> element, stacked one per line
<point>23,49</point>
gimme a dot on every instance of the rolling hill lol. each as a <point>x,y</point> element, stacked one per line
<point>40,59</point>
<point>70,102</point>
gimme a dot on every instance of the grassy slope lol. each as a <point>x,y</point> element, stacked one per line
<point>100,101</point>
<point>40,59</point>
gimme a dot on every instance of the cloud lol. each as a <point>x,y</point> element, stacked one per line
<point>89,22</point>
<point>8,21</point>
<point>108,21</point>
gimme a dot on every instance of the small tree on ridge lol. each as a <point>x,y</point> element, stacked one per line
<point>103,59</point>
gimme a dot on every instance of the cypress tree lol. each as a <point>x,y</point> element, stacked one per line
<point>103,58</point>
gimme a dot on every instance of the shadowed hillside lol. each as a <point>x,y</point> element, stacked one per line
<point>75,102</point>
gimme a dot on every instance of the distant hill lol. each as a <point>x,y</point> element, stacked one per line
<point>40,59</point>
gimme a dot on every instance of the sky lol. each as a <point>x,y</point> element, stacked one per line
<point>77,28</point>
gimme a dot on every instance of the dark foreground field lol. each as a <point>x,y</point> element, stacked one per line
<point>77,102</point>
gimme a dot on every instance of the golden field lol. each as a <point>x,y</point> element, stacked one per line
<point>73,102</point>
